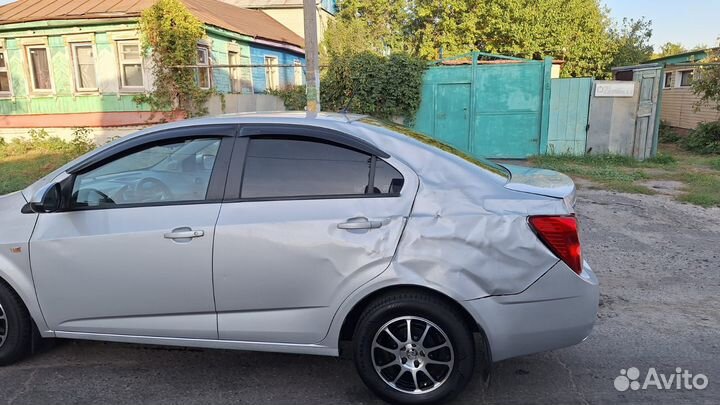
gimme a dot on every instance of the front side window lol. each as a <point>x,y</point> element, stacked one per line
<point>5,86</point>
<point>163,173</point>
<point>39,69</point>
<point>272,75</point>
<point>131,68</point>
<point>84,61</point>
<point>686,78</point>
<point>290,167</point>
<point>202,74</point>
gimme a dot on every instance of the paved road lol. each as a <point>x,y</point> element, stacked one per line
<point>659,265</point>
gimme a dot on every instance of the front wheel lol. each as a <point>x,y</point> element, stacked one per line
<point>15,327</point>
<point>413,348</point>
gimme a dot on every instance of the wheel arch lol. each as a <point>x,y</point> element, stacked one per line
<point>349,324</point>
<point>27,301</point>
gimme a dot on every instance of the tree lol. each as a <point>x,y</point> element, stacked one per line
<point>573,30</point>
<point>632,38</point>
<point>670,49</point>
<point>170,34</point>
<point>706,82</point>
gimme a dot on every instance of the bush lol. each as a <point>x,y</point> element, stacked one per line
<point>667,134</point>
<point>704,139</point>
<point>366,83</point>
<point>293,97</point>
<point>39,140</point>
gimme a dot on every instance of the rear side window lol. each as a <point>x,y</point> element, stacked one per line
<point>302,167</point>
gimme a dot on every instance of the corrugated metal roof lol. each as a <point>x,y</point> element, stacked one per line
<point>265,3</point>
<point>252,23</point>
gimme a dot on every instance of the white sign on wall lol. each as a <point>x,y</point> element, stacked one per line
<point>614,89</point>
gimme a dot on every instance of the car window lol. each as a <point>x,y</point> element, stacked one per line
<point>284,167</point>
<point>387,179</point>
<point>171,172</point>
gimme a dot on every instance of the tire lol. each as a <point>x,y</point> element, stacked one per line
<point>16,327</point>
<point>441,347</point>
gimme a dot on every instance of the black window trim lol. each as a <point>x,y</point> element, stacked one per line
<point>324,135</point>
<point>218,177</point>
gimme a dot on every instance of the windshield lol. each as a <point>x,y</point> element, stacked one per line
<point>481,162</point>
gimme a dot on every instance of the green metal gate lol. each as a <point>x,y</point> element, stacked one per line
<point>569,113</point>
<point>488,105</point>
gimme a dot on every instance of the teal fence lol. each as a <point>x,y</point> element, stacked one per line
<point>488,105</point>
<point>569,109</point>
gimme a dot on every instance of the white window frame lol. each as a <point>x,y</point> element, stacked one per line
<point>274,71</point>
<point>667,84</point>
<point>297,72</point>
<point>9,93</point>
<point>243,60</point>
<point>76,66</point>
<point>28,49</point>
<point>679,76</point>
<point>122,62</point>
<point>206,65</point>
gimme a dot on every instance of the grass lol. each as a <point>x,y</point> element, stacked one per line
<point>699,174</point>
<point>22,161</point>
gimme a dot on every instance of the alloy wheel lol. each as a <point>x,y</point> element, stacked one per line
<point>412,355</point>
<point>3,326</point>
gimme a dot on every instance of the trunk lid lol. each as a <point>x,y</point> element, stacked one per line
<point>542,182</point>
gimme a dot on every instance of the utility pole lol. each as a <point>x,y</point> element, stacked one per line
<point>312,56</point>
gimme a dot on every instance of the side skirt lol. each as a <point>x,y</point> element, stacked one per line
<point>206,343</point>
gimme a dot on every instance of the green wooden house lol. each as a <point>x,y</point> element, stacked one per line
<point>79,63</point>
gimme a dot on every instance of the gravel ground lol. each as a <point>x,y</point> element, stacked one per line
<point>658,262</point>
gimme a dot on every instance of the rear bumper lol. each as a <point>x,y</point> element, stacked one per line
<point>558,310</point>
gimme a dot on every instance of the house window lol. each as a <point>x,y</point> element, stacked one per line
<point>686,77</point>
<point>298,73</point>
<point>668,80</point>
<point>39,69</point>
<point>84,65</point>
<point>240,77</point>
<point>5,86</point>
<point>202,74</point>
<point>272,75</point>
<point>131,67</point>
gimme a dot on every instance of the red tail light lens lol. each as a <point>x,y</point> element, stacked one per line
<point>560,235</point>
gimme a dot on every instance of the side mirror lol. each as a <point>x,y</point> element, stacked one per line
<point>46,199</point>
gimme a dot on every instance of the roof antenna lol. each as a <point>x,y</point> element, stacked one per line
<point>347,106</point>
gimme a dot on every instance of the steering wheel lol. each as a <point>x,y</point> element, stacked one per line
<point>150,190</point>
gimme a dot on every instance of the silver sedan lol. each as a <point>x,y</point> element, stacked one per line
<point>293,233</point>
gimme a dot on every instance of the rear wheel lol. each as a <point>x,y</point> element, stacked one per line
<point>15,327</point>
<point>413,348</point>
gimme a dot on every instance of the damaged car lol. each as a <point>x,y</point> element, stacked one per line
<point>296,232</point>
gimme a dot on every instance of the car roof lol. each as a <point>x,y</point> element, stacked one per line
<point>274,116</point>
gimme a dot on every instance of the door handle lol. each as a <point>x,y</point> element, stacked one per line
<point>360,223</point>
<point>184,233</point>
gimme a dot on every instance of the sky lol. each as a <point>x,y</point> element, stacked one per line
<point>690,22</point>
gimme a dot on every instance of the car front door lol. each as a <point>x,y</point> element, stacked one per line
<point>314,215</point>
<point>130,251</point>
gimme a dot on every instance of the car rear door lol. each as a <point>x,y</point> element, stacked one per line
<point>310,215</point>
<point>130,253</point>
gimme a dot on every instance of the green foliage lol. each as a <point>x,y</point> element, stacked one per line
<point>706,82</point>
<point>38,140</point>
<point>666,134</point>
<point>170,34</point>
<point>294,97</point>
<point>384,87</point>
<point>574,30</point>
<point>632,38</point>
<point>344,37</point>
<point>670,49</point>
<point>704,139</point>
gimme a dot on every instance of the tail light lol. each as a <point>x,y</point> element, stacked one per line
<point>560,235</point>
